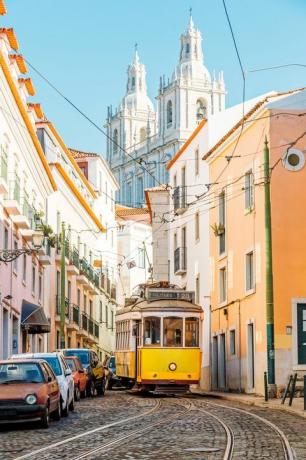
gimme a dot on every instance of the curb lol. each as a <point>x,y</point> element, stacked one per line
<point>249,402</point>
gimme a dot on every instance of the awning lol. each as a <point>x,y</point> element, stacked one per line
<point>33,318</point>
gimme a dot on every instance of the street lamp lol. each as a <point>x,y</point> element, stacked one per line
<point>8,255</point>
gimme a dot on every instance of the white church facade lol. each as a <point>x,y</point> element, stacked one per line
<point>137,130</point>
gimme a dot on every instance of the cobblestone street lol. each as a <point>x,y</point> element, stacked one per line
<point>122,426</point>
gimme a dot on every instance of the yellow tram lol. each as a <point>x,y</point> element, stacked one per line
<point>158,339</point>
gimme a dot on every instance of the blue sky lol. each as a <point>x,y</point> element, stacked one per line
<point>84,47</point>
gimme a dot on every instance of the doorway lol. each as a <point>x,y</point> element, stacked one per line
<point>301,332</point>
<point>251,357</point>
<point>222,363</point>
<point>214,374</point>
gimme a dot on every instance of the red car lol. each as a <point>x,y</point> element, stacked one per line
<point>28,392</point>
<point>79,376</point>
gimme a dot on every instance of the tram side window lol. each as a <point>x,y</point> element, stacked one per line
<point>152,331</point>
<point>173,332</point>
<point>191,332</point>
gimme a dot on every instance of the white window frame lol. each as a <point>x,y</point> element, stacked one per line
<point>249,191</point>
<point>252,289</point>
<point>222,301</point>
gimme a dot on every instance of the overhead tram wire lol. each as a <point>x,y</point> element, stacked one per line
<point>138,161</point>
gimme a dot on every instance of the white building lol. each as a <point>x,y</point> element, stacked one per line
<point>154,136</point>
<point>134,249</point>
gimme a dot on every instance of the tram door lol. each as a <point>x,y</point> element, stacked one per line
<point>221,363</point>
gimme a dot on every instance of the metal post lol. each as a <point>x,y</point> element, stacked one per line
<point>269,270</point>
<point>287,389</point>
<point>304,392</point>
<point>63,288</point>
<point>292,389</point>
<point>266,386</point>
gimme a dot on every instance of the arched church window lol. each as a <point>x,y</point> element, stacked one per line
<point>143,134</point>
<point>169,113</point>
<point>187,48</point>
<point>133,82</point>
<point>201,110</point>
<point>115,141</point>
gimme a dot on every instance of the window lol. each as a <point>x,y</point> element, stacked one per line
<point>197,162</point>
<point>78,297</point>
<point>222,285</point>
<point>151,333</point>
<point>249,190</point>
<point>24,268</point>
<point>133,82</point>
<point>101,312</point>
<point>6,238</point>
<point>69,290</point>
<point>197,290</point>
<point>106,315</point>
<point>175,241</point>
<point>33,279</point>
<point>40,287</point>
<point>112,319</point>
<point>222,223</point>
<point>90,309</point>
<point>187,48</point>
<point>128,197</point>
<point>233,342</point>
<point>115,142</point>
<point>143,134</point>
<point>191,332</point>
<point>141,258</point>
<point>197,226</point>
<point>249,271</point>
<point>201,110</point>
<point>58,222</point>
<point>15,262</point>
<point>84,303</point>
<point>173,332</point>
<point>169,113</point>
<point>139,191</point>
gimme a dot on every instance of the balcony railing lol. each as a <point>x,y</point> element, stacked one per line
<point>96,330</point>
<point>84,321</point>
<point>75,314</point>
<point>14,190</point>
<point>75,258</point>
<point>179,199</point>
<point>90,326</point>
<point>3,165</point>
<point>180,260</point>
<point>58,306</point>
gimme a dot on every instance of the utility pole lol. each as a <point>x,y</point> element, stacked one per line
<point>63,287</point>
<point>269,270</point>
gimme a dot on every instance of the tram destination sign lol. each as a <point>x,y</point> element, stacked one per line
<point>169,294</point>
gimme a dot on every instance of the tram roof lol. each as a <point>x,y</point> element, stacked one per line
<point>161,305</point>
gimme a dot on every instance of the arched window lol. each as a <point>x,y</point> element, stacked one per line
<point>169,113</point>
<point>187,49</point>
<point>115,141</point>
<point>143,134</point>
<point>201,110</point>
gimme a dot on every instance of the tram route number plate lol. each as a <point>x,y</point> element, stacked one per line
<point>171,294</point>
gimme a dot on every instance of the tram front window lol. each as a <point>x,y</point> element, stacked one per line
<point>191,332</point>
<point>173,332</point>
<point>152,331</point>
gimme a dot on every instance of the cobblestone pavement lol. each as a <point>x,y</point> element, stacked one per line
<point>191,428</point>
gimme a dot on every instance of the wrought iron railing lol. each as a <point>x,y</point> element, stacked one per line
<point>75,314</point>
<point>75,258</point>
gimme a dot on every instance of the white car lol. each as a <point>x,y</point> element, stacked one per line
<point>63,375</point>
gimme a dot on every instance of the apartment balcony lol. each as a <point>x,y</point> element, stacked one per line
<point>58,254</point>
<point>74,317</point>
<point>44,253</point>
<point>58,309</point>
<point>83,325</point>
<point>74,262</point>
<point>24,220</point>
<point>180,261</point>
<point>4,188</point>
<point>180,199</point>
<point>12,200</point>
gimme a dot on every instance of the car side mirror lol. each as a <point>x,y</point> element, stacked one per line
<point>67,372</point>
<point>49,379</point>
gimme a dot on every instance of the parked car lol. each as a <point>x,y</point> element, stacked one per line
<point>110,370</point>
<point>79,376</point>
<point>94,369</point>
<point>63,374</point>
<point>29,391</point>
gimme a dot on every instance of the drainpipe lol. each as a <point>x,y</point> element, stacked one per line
<point>63,286</point>
<point>269,270</point>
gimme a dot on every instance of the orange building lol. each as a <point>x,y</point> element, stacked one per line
<point>258,316</point>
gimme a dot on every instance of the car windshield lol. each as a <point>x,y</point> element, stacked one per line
<point>20,372</point>
<point>81,354</point>
<point>71,364</point>
<point>54,363</point>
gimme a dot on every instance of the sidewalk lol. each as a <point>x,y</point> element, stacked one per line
<point>297,407</point>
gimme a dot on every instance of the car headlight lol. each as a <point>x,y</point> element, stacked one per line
<point>172,366</point>
<point>31,399</point>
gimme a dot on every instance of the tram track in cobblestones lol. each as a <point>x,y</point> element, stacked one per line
<point>288,453</point>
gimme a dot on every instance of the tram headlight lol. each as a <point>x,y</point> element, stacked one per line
<point>172,367</point>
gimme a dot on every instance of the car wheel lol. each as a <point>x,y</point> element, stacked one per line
<point>65,410</point>
<point>71,405</point>
<point>101,388</point>
<point>45,419</point>
<point>77,393</point>
<point>57,413</point>
<point>91,389</point>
